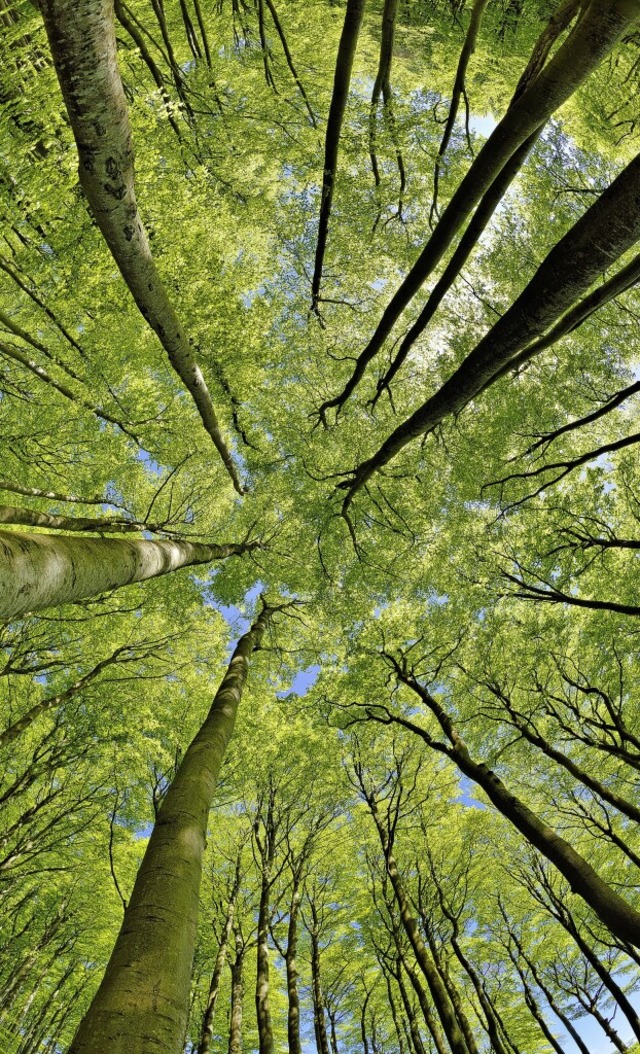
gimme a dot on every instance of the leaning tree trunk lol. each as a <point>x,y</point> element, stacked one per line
<point>83,44</point>
<point>607,230</point>
<point>142,1004</point>
<point>601,27</point>
<point>40,570</point>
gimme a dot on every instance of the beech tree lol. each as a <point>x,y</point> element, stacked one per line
<point>360,773</point>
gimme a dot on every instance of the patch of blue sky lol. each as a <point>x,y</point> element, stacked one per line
<point>301,683</point>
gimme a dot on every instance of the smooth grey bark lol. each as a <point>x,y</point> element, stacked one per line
<point>40,570</point>
<point>602,25</point>
<point>608,229</point>
<point>142,1004</point>
<point>83,44</point>
<point>33,518</point>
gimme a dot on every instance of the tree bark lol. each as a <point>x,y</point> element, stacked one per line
<point>320,1028</point>
<point>142,1004</point>
<point>206,1035</point>
<point>83,44</point>
<point>597,32</point>
<point>607,230</point>
<point>41,570</point>
<point>609,906</point>
<point>444,1008</point>
<point>237,994</point>
<point>342,80</point>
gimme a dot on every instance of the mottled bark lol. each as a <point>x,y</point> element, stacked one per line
<point>591,40</point>
<point>607,230</point>
<point>82,38</point>
<point>142,1004</point>
<point>41,570</point>
<point>32,518</point>
<point>341,82</point>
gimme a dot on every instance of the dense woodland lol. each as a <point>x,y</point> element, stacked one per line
<point>319,379</point>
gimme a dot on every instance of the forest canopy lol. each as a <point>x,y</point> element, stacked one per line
<point>320,520</point>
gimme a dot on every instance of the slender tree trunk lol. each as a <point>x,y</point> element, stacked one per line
<point>83,43</point>
<point>414,1030</point>
<point>237,994</point>
<point>622,919</point>
<point>439,994</point>
<point>263,1010</point>
<point>342,80</point>
<point>142,1004</point>
<point>293,1007</point>
<point>267,849</point>
<point>41,570</point>
<point>320,1028</point>
<point>214,988</point>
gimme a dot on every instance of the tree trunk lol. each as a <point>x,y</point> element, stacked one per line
<point>142,1004</point>
<point>342,80</point>
<point>607,230</point>
<point>83,44</point>
<point>293,1008</point>
<point>41,570</point>
<point>320,1028</point>
<point>237,993</point>
<point>597,32</point>
<point>621,918</point>
<point>438,991</point>
<point>214,988</point>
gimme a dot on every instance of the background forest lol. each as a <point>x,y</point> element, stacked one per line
<point>353,353</point>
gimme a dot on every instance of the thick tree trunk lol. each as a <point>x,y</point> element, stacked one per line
<point>40,570</point>
<point>142,1004</point>
<point>607,230</point>
<point>83,44</point>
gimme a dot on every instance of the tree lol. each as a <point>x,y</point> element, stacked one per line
<point>419,830</point>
